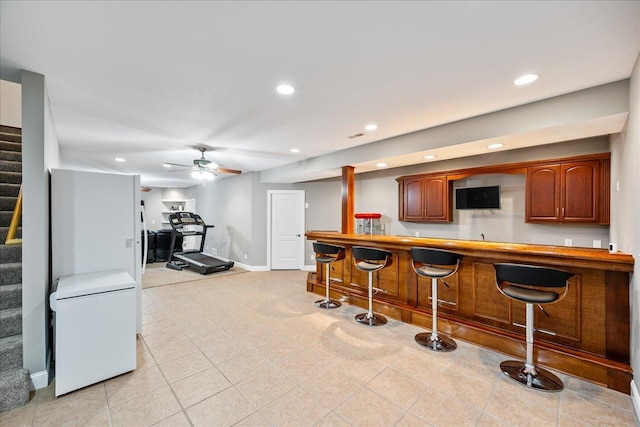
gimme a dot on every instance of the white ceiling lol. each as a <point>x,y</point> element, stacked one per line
<point>147,81</point>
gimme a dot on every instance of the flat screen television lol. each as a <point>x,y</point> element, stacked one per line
<point>478,197</point>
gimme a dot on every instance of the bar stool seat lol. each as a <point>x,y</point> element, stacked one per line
<point>327,254</point>
<point>371,260</point>
<point>437,265</point>
<point>520,282</point>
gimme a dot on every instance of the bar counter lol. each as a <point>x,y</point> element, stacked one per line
<point>586,334</point>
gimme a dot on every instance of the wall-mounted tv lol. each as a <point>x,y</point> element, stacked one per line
<point>478,197</point>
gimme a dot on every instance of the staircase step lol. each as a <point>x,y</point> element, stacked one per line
<point>10,253</point>
<point>10,273</point>
<point>5,218</point>
<point>10,129</point>
<point>9,166</point>
<point>10,190</point>
<point>7,203</point>
<point>10,296</point>
<point>10,322</point>
<point>15,147</point>
<point>14,389</point>
<point>12,156</point>
<point>11,353</point>
<point>5,230</point>
<point>10,137</point>
<point>10,178</point>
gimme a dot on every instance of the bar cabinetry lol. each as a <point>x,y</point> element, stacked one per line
<point>586,334</point>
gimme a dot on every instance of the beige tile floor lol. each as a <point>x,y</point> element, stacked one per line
<point>252,350</point>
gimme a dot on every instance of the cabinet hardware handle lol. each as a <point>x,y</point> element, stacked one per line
<point>563,212</point>
<point>557,211</point>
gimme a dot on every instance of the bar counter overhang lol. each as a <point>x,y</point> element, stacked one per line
<point>586,334</point>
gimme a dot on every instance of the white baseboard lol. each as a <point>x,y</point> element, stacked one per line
<point>635,399</point>
<point>39,380</point>
<point>311,267</point>
<point>251,267</point>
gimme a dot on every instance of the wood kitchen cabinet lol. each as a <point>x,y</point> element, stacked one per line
<point>567,190</point>
<point>575,191</point>
<point>425,198</point>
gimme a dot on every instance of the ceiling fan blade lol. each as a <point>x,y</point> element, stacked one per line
<point>225,170</point>
<point>180,170</point>
<point>177,164</point>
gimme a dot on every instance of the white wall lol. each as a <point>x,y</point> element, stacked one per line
<point>40,154</point>
<point>227,205</point>
<point>625,217</point>
<point>10,104</point>
<point>378,192</point>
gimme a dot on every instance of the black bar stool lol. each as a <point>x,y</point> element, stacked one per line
<point>370,260</point>
<point>436,264</point>
<point>516,281</point>
<point>326,254</point>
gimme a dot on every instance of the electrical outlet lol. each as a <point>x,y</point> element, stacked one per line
<point>312,257</point>
<point>245,256</point>
<point>568,242</point>
<point>417,234</point>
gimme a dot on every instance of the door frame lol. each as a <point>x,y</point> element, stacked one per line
<point>301,209</point>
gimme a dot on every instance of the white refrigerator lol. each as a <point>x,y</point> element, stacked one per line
<point>96,226</point>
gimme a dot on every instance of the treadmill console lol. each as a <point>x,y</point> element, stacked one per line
<point>180,219</point>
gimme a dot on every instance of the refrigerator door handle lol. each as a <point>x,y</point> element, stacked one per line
<point>146,240</point>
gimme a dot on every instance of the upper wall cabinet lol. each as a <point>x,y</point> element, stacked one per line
<point>568,190</point>
<point>425,198</point>
<point>572,191</point>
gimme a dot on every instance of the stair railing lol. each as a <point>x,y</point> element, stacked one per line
<point>15,220</point>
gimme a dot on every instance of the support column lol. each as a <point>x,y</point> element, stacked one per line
<point>347,199</point>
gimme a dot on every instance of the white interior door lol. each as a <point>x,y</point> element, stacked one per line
<point>287,230</point>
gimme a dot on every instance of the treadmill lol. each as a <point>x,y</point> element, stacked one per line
<point>178,259</point>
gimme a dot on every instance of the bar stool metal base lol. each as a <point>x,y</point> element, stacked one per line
<point>371,319</point>
<point>543,381</point>
<point>327,303</point>
<point>442,343</point>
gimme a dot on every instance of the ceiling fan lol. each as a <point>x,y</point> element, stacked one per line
<point>203,168</point>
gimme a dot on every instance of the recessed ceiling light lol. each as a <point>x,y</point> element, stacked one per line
<point>526,79</point>
<point>119,159</point>
<point>295,150</point>
<point>430,157</point>
<point>285,89</point>
<point>382,165</point>
<point>496,145</point>
<point>371,126</point>
<point>166,165</point>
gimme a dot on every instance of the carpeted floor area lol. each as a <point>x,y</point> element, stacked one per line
<point>157,274</point>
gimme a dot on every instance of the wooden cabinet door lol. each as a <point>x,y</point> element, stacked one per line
<point>413,200</point>
<point>436,198</point>
<point>580,191</point>
<point>543,193</point>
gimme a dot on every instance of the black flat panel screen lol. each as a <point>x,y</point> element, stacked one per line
<point>478,198</point>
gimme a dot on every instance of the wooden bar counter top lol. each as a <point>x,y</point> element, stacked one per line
<point>586,334</point>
